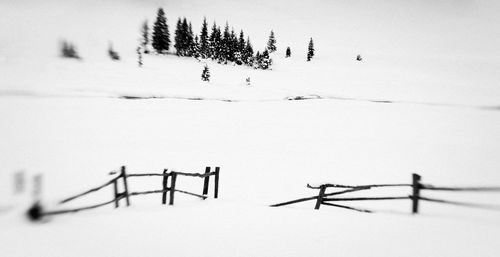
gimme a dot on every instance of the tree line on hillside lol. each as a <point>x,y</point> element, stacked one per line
<point>224,46</point>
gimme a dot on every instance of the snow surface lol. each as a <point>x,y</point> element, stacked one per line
<point>425,99</point>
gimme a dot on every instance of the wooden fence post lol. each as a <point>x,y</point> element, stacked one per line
<point>165,187</point>
<point>216,186</point>
<point>321,194</point>
<point>125,186</point>
<point>115,190</point>
<point>416,192</point>
<point>206,181</point>
<point>172,187</point>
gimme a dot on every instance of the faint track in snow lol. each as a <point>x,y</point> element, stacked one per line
<point>298,97</point>
<point>317,97</point>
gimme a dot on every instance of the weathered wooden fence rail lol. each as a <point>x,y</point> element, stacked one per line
<point>123,179</point>
<point>324,198</point>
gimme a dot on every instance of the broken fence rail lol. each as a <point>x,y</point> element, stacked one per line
<point>324,198</point>
<point>123,177</point>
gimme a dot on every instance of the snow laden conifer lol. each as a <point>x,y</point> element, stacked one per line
<point>233,46</point>
<point>248,53</point>
<point>256,60</point>
<point>226,45</point>
<point>205,75</point>
<point>203,44</point>
<point>161,36</point>
<point>310,50</point>
<point>271,43</point>
<point>195,48</point>
<point>145,37</point>
<point>265,60</point>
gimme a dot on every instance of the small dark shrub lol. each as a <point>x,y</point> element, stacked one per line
<point>68,50</point>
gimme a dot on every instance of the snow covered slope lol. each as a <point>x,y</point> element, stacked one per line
<point>425,99</point>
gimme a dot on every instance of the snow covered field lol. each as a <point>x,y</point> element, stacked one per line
<point>433,64</point>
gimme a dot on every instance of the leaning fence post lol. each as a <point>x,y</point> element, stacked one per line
<point>321,194</point>
<point>115,190</point>
<point>416,192</point>
<point>165,187</point>
<point>216,186</point>
<point>125,186</point>
<point>206,181</point>
<point>172,187</point>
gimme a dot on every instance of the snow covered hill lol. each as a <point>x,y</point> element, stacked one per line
<point>424,99</point>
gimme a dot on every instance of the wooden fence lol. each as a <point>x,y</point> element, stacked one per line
<point>168,187</point>
<point>330,199</point>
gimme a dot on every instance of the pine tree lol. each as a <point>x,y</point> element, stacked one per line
<point>212,42</point>
<point>204,45</point>
<point>240,49</point>
<point>184,36</point>
<point>161,36</point>
<point>310,50</point>
<point>205,75</point>
<point>271,43</point>
<point>248,53</point>
<point>190,40</point>
<point>265,61</point>
<point>241,42</point>
<point>233,46</point>
<point>288,52</point>
<point>145,37</point>
<point>195,49</point>
<point>226,44</point>
<point>218,51</point>
<point>178,37</point>
<point>256,60</point>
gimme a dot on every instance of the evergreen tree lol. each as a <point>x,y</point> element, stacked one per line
<point>265,60</point>
<point>248,53</point>
<point>195,49</point>
<point>218,50</point>
<point>184,36</point>
<point>241,42</point>
<point>161,36</point>
<point>212,42</point>
<point>233,46</point>
<point>310,50</point>
<point>178,37</point>
<point>203,44</point>
<point>205,75</point>
<point>145,37</point>
<point>240,49</point>
<point>226,44</point>
<point>256,60</point>
<point>190,41</point>
<point>288,52</point>
<point>271,43</point>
